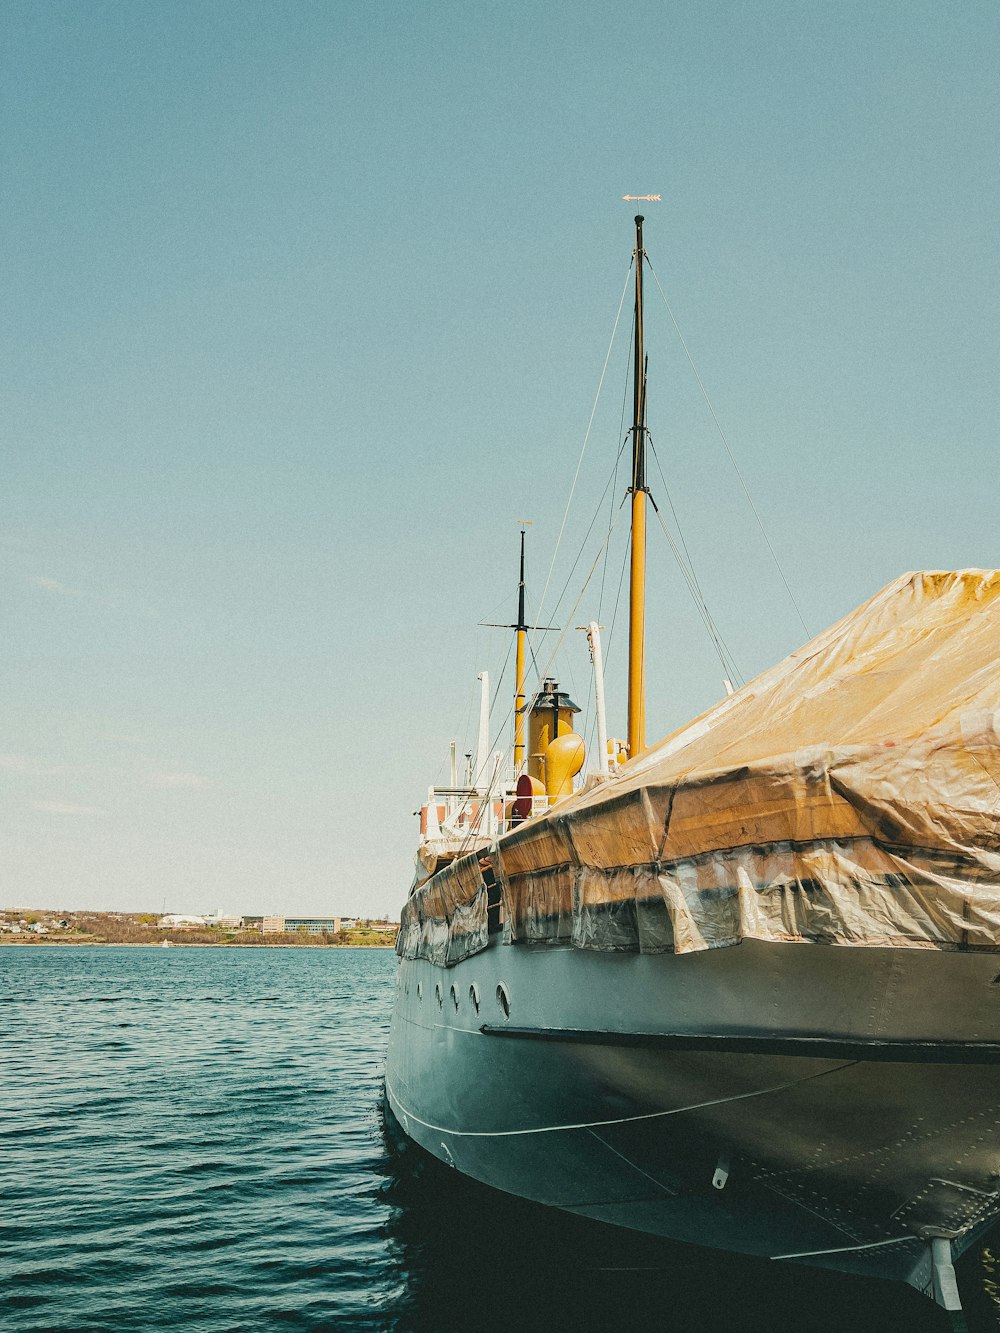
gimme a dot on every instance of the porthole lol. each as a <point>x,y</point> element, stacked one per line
<point>503,999</point>
<point>454,996</point>
<point>438,996</point>
<point>474,996</point>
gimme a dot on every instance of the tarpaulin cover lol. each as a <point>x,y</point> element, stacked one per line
<point>446,920</point>
<point>850,795</point>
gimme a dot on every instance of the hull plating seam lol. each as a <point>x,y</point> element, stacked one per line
<point>825,1048</point>
<point>634,1165</point>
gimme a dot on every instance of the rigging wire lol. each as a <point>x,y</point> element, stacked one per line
<point>503,672</point>
<point>608,488</point>
<point>462,732</point>
<point>586,439</point>
<point>474,827</point>
<point>583,545</point>
<point>465,730</point>
<point>677,522</point>
<point>583,589</point>
<point>686,567</point>
<point>732,459</point>
<point>495,610</point>
<point>618,596</point>
<point>614,488</point>
<point>542,673</point>
<point>726,660</point>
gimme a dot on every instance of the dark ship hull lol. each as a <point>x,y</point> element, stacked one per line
<point>830,1105</point>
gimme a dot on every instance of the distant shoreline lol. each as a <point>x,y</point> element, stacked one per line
<point>173,944</point>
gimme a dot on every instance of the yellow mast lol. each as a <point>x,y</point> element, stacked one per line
<point>637,567</point>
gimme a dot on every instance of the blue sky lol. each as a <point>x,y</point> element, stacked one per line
<point>306,304</point>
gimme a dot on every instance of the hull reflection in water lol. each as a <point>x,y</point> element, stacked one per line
<point>475,1260</point>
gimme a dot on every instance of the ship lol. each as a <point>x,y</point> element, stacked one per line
<point>740,987</point>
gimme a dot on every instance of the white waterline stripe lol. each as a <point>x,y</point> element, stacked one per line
<point>596,1124</point>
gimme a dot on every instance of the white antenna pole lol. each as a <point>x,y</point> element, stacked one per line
<point>594,639</point>
<point>483,748</point>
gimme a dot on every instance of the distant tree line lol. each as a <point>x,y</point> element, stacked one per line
<point>142,928</point>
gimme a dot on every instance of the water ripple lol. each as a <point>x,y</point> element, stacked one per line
<point>192,1139</point>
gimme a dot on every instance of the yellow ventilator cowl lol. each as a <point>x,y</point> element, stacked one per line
<point>563,760</point>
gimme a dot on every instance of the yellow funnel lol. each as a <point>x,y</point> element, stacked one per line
<point>551,716</point>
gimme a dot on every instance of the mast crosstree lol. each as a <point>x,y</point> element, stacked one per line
<point>520,668</point>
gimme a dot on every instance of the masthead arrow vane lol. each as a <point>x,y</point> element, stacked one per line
<point>642,198</point>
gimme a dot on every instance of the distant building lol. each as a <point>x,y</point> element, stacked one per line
<point>311,925</point>
<point>176,921</point>
<point>221,918</point>
<point>314,925</point>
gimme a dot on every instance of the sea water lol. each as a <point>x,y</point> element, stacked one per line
<point>194,1139</point>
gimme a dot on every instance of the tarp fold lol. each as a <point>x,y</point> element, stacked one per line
<point>848,796</point>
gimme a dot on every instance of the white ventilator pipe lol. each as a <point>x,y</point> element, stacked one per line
<point>479,778</point>
<point>433,827</point>
<point>594,639</point>
<point>492,793</point>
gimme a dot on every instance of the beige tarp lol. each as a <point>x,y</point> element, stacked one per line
<point>850,795</point>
